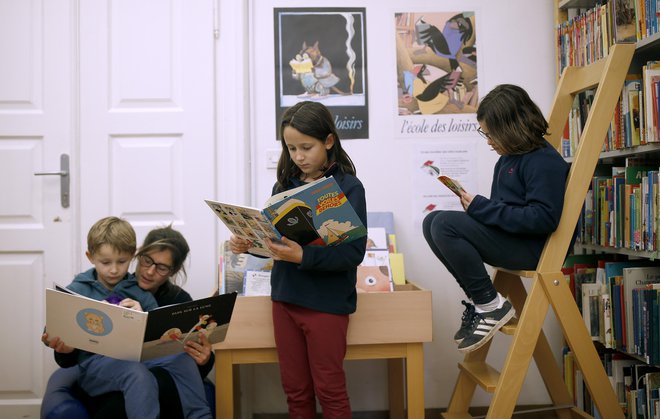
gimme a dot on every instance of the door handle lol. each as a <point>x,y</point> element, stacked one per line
<point>64,179</point>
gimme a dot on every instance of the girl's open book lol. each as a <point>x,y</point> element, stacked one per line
<point>317,213</point>
<point>452,184</point>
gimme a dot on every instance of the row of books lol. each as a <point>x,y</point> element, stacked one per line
<point>636,384</point>
<point>587,37</point>
<point>635,121</point>
<point>619,302</point>
<point>381,269</point>
<point>621,208</point>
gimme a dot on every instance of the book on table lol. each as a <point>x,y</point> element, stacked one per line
<point>317,213</point>
<point>123,333</point>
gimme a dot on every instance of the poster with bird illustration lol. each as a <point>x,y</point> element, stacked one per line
<point>436,70</point>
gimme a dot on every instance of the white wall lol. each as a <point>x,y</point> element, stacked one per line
<point>515,45</point>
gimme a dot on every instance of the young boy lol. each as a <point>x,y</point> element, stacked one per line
<point>111,245</point>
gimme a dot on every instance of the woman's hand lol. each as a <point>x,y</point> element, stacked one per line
<point>200,351</point>
<point>286,250</point>
<point>238,245</point>
<point>57,344</point>
<point>466,199</point>
<point>130,303</point>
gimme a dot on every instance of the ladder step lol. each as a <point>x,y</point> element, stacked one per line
<point>482,374</point>
<point>510,327</point>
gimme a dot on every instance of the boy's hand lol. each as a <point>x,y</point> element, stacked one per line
<point>286,250</point>
<point>57,344</point>
<point>238,245</point>
<point>129,303</point>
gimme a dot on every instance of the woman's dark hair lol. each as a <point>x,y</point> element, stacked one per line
<point>167,238</point>
<point>514,122</point>
<point>315,120</point>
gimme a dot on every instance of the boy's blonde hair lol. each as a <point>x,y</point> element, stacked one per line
<point>113,231</point>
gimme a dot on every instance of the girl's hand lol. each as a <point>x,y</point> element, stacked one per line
<point>286,250</point>
<point>200,351</point>
<point>129,303</point>
<point>57,344</point>
<point>466,199</point>
<point>238,245</point>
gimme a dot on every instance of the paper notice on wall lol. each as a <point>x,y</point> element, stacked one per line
<point>456,160</point>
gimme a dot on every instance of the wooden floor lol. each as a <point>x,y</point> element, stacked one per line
<point>431,414</point>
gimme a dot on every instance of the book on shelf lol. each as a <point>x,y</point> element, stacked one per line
<point>317,213</point>
<point>621,369</point>
<point>585,273</point>
<point>650,78</point>
<point>652,383</point>
<point>645,322</point>
<point>123,333</point>
<point>591,293</point>
<point>636,277</point>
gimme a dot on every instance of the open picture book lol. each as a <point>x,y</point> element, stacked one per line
<point>123,333</point>
<point>317,213</point>
<point>452,184</point>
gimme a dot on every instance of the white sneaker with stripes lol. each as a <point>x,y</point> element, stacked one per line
<point>484,326</point>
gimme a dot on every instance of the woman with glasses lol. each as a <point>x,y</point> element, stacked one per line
<point>510,228</point>
<point>160,263</point>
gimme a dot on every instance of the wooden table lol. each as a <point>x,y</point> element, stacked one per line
<point>390,326</point>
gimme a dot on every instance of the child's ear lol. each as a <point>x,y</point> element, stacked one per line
<point>89,257</point>
<point>329,141</point>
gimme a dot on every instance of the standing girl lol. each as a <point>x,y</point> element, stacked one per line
<point>508,230</point>
<point>313,288</point>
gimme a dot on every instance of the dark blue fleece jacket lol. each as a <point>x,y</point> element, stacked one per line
<point>325,280</point>
<point>527,194</point>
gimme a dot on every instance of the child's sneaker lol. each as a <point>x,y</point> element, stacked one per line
<point>484,326</point>
<point>466,322</point>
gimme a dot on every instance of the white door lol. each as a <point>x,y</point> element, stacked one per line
<point>147,107</point>
<point>141,105</point>
<point>36,99</point>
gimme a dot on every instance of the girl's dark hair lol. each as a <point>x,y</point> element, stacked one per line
<point>315,120</point>
<point>167,238</point>
<point>514,122</point>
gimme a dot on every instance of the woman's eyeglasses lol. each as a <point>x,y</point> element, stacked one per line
<point>147,262</point>
<point>483,133</point>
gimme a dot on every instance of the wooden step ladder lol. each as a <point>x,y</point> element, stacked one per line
<point>548,285</point>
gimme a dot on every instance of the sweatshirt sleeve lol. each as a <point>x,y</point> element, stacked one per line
<point>346,255</point>
<point>541,204</point>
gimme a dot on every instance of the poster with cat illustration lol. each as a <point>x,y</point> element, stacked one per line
<point>320,55</point>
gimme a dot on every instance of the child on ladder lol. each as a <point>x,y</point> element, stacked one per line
<point>510,228</point>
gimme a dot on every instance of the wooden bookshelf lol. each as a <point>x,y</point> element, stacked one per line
<point>646,49</point>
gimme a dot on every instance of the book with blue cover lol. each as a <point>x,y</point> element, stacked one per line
<point>317,213</point>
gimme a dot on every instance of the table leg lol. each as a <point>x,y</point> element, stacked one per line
<point>395,387</point>
<point>224,385</point>
<point>415,380</point>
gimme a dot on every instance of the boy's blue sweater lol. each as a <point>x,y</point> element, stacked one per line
<point>87,284</point>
